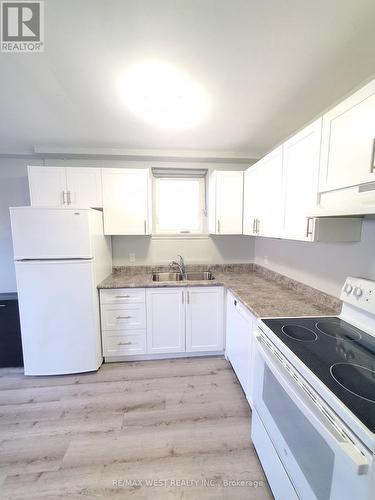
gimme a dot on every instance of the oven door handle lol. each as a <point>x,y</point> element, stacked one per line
<point>358,462</point>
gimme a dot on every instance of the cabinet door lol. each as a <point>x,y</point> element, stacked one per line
<point>229,202</point>
<point>126,201</point>
<point>270,194</point>
<point>165,320</point>
<point>239,338</point>
<point>10,338</point>
<point>47,186</point>
<point>251,200</point>
<point>84,187</point>
<point>348,142</point>
<point>204,319</point>
<point>301,175</point>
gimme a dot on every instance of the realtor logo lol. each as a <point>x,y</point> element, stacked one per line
<point>22,26</point>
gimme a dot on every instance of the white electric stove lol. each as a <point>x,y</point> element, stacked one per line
<point>314,400</point>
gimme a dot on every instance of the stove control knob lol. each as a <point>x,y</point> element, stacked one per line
<point>348,288</point>
<point>357,291</point>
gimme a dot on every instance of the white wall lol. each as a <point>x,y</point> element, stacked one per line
<point>14,191</point>
<point>321,265</point>
<point>211,250</point>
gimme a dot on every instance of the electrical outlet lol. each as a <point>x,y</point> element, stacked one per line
<point>132,258</point>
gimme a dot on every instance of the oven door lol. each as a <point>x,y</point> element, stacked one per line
<point>321,462</point>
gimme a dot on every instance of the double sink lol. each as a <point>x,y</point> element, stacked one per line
<point>193,276</point>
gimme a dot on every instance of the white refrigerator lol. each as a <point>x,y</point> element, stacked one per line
<point>61,255</point>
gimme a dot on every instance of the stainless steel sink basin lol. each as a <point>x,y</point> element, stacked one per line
<point>166,277</point>
<point>193,276</point>
<point>199,276</point>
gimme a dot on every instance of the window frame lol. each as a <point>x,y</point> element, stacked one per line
<point>203,232</point>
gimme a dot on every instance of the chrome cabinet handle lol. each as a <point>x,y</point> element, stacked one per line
<point>308,232</point>
<point>182,295</point>
<point>63,197</point>
<point>122,296</point>
<point>125,343</point>
<point>372,166</point>
<point>257,226</point>
<point>3,305</point>
<point>69,196</point>
<point>145,226</point>
<point>188,297</point>
<point>253,225</point>
<point>123,317</point>
<point>218,226</point>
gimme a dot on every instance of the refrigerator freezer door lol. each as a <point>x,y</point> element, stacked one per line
<point>50,233</point>
<point>59,314</point>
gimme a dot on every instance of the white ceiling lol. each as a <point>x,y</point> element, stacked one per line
<point>267,67</point>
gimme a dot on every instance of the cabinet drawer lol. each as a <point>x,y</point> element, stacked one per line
<point>123,296</point>
<point>124,344</point>
<point>123,317</point>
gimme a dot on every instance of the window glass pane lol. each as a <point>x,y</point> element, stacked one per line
<point>178,205</point>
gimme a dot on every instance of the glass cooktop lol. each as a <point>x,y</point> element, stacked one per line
<point>340,355</point>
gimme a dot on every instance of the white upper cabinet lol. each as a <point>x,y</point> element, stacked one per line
<point>226,202</point>
<point>270,194</point>
<point>301,175</point>
<point>65,187</point>
<point>84,186</point>
<point>126,201</point>
<point>251,202</point>
<point>47,186</point>
<point>204,319</point>
<point>263,196</point>
<point>281,193</point>
<point>347,157</point>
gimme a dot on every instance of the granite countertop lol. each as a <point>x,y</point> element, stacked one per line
<point>264,292</point>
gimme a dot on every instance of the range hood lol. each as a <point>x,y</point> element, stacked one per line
<point>354,201</point>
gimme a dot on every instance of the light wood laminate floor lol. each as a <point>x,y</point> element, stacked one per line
<point>162,429</point>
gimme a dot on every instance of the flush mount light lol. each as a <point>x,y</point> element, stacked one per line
<point>162,96</point>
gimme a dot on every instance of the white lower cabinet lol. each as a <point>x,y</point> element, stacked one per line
<point>124,344</point>
<point>123,318</point>
<point>185,319</point>
<point>162,320</point>
<point>165,320</point>
<point>204,319</point>
<point>239,342</point>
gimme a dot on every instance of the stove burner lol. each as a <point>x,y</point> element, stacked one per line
<point>356,379</point>
<point>337,331</point>
<point>300,333</point>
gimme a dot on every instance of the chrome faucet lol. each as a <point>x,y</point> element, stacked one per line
<point>181,265</point>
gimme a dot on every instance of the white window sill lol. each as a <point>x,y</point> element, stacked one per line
<point>180,236</point>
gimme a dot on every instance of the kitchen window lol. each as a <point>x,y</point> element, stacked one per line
<point>179,202</point>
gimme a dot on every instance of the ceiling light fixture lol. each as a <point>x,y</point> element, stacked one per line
<point>162,96</point>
